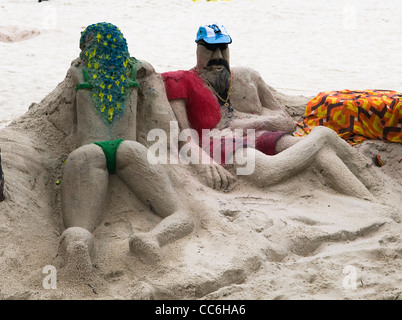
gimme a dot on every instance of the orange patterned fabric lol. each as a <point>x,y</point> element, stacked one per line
<point>356,115</point>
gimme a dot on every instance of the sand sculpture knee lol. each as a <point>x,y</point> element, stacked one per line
<point>213,96</point>
<point>338,163</point>
<point>106,104</point>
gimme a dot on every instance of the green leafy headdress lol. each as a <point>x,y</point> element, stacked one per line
<point>108,69</point>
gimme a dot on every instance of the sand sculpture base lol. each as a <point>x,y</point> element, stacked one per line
<point>297,239</point>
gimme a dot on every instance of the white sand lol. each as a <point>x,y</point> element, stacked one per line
<point>298,239</point>
<point>299,47</point>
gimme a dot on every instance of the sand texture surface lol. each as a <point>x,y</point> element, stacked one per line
<point>294,240</point>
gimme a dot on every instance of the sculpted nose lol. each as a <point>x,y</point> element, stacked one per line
<point>217,54</point>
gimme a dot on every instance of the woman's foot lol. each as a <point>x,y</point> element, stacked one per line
<point>145,247</point>
<point>77,246</point>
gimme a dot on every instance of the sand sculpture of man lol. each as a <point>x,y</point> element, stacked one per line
<point>106,105</point>
<point>214,96</point>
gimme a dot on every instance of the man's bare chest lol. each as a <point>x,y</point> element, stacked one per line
<point>244,98</point>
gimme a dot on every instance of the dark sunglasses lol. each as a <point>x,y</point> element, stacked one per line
<point>213,47</point>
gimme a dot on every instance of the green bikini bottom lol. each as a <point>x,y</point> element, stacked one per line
<point>109,149</point>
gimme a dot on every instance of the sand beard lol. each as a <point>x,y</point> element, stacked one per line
<point>217,73</point>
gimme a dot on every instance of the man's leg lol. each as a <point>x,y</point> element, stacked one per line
<point>151,184</point>
<point>340,162</point>
<point>83,194</point>
<point>357,163</point>
<point>338,175</point>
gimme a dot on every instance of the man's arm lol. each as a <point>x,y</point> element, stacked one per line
<point>179,109</point>
<point>264,123</point>
<point>215,175</point>
<point>281,120</point>
<point>273,116</point>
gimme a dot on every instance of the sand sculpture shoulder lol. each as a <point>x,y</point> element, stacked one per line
<point>250,93</point>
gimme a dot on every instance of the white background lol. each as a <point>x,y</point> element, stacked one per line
<point>298,46</point>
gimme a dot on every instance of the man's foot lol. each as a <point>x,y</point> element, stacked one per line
<point>77,246</point>
<point>145,247</point>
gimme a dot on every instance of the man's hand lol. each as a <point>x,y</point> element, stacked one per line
<point>215,176</point>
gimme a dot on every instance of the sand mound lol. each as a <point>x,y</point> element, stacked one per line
<point>298,239</point>
<point>15,34</point>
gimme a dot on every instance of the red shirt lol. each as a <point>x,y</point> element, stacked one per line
<point>203,109</point>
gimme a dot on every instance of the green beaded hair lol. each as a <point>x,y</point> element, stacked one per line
<point>108,69</point>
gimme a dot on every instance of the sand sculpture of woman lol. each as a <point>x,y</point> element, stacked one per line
<point>106,104</point>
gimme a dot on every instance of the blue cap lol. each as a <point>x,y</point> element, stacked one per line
<point>214,33</point>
